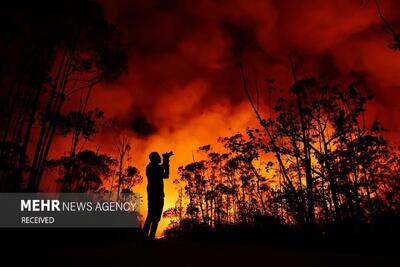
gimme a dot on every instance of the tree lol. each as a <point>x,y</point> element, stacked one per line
<point>51,54</point>
<point>127,175</point>
<point>89,52</point>
<point>88,173</point>
<point>78,124</point>
<point>329,122</point>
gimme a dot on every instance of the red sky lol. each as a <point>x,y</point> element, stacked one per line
<point>184,56</point>
<point>183,88</point>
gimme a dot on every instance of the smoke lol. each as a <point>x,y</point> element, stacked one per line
<point>140,124</point>
<point>176,46</point>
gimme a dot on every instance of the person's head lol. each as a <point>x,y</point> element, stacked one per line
<point>155,157</point>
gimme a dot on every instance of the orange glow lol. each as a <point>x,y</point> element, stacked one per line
<point>184,78</point>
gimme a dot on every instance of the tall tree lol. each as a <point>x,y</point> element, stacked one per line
<point>51,53</point>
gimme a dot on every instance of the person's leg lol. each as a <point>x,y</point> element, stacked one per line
<point>153,229</point>
<point>146,226</point>
<point>157,216</point>
<point>150,215</point>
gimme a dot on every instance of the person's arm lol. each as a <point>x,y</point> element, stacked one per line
<point>165,169</point>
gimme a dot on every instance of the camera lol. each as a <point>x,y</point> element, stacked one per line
<point>168,155</point>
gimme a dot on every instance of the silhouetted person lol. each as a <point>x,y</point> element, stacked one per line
<point>155,172</point>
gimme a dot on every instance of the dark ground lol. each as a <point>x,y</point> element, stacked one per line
<point>82,247</point>
<point>197,254</point>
